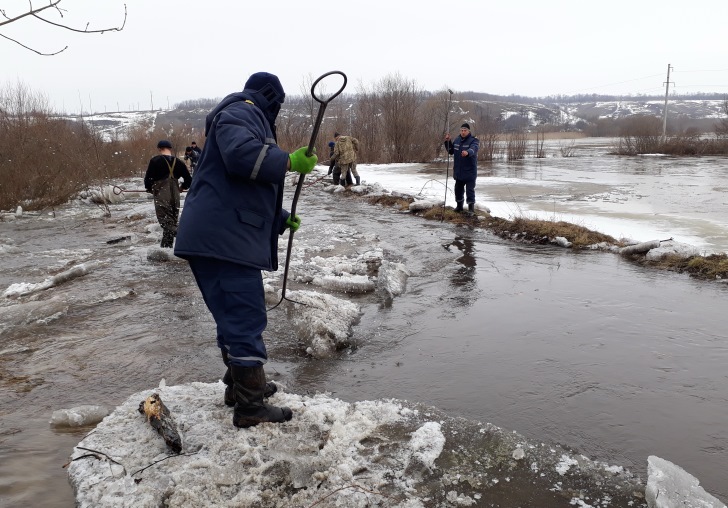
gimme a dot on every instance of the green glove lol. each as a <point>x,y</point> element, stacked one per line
<point>293,222</point>
<point>301,163</point>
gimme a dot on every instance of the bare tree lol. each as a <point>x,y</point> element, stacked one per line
<point>367,126</point>
<point>539,151</point>
<point>517,142</point>
<point>34,12</point>
<point>721,128</point>
<point>399,99</point>
<point>640,134</point>
<point>489,127</point>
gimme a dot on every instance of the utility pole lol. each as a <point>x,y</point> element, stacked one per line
<point>664,113</point>
<point>151,100</point>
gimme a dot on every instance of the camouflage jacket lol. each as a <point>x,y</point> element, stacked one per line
<point>345,149</point>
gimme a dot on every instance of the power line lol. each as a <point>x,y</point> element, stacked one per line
<point>616,83</point>
<point>706,70</point>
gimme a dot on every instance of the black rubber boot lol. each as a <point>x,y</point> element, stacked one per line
<point>471,207</point>
<point>459,207</point>
<point>167,239</point>
<point>270,387</point>
<point>336,175</point>
<point>248,391</point>
<point>358,180</point>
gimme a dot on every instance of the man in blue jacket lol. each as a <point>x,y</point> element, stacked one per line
<point>465,166</point>
<point>229,232</point>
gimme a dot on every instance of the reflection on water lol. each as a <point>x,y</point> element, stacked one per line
<point>464,276</point>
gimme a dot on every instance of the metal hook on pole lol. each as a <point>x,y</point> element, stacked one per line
<point>317,124</point>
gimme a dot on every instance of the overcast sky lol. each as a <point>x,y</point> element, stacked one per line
<point>174,50</point>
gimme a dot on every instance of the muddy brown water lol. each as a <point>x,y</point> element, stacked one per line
<point>583,349</point>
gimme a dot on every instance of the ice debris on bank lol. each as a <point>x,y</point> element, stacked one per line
<point>349,263</point>
<point>383,453</point>
<point>669,486</point>
<point>78,416</point>
<point>25,288</point>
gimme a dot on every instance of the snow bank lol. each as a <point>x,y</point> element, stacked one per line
<point>674,248</point>
<point>323,323</point>
<point>670,486</point>
<point>78,416</point>
<point>25,288</point>
<point>7,246</point>
<point>384,453</point>
<point>103,195</point>
<point>424,204</point>
<point>561,242</point>
<point>392,278</point>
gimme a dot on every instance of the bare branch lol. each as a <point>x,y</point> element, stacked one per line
<point>53,4</point>
<point>33,12</point>
<point>85,30</point>
<point>31,49</point>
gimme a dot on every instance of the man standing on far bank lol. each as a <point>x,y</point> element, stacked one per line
<point>465,166</point>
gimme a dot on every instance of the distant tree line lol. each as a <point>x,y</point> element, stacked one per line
<point>45,159</point>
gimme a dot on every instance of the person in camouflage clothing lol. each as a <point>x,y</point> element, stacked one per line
<point>345,151</point>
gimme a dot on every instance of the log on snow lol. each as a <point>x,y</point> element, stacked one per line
<point>639,248</point>
<point>160,419</point>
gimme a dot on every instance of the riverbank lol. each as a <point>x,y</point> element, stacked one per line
<point>677,258</point>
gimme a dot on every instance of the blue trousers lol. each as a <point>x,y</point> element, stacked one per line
<point>468,186</point>
<point>235,296</point>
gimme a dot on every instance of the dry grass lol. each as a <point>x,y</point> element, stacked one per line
<point>527,230</point>
<point>710,267</point>
<point>399,202</point>
<point>579,236</point>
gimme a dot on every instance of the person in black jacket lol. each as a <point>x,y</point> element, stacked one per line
<point>162,180</point>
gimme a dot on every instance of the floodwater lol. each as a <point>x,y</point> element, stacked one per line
<point>584,349</point>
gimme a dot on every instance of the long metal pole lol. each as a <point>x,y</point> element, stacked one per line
<point>664,112</point>
<point>447,167</point>
<point>309,151</point>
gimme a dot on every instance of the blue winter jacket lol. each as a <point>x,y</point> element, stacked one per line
<point>464,168</point>
<point>233,210</point>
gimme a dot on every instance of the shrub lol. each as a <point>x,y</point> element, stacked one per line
<point>45,160</point>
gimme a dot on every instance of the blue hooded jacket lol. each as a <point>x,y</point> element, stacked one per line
<point>233,210</point>
<point>464,168</point>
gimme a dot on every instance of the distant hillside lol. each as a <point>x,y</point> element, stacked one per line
<point>564,113</point>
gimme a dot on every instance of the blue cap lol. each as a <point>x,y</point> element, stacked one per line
<point>164,144</point>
